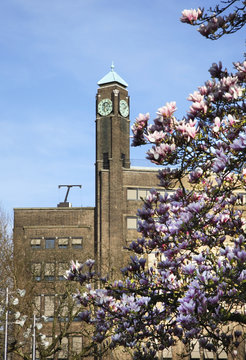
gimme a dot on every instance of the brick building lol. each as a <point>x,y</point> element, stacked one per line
<point>47,239</point>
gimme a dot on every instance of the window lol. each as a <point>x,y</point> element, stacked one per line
<point>36,243</point>
<point>131,194</point>
<point>139,194</point>
<point>123,159</point>
<point>105,161</point>
<point>63,243</point>
<point>77,243</point>
<point>169,192</point>
<point>49,340</point>
<point>49,306</point>
<point>76,319</point>
<point>37,304</point>
<point>50,243</point>
<point>62,268</point>
<point>36,271</point>
<point>63,353</point>
<point>142,193</point>
<point>242,199</point>
<point>37,356</point>
<point>63,308</point>
<point>49,272</point>
<point>77,344</point>
<point>131,222</point>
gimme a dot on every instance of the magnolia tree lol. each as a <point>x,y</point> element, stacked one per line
<point>196,289</point>
<point>226,18</point>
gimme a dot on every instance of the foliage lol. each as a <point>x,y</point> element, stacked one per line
<point>21,307</point>
<point>196,288</point>
<point>217,21</point>
<point>49,332</point>
<point>6,253</point>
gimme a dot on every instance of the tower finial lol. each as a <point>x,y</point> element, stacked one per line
<point>112,66</point>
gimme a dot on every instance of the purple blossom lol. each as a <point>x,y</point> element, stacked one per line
<point>239,143</point>
<point>189,269</point>
<point>242,275</point>
<point>195,175</point>
<point>220,162</point>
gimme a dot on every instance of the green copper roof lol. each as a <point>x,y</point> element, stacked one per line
<point>112,77</point>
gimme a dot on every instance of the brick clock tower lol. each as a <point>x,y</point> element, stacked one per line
<point>112,157</point>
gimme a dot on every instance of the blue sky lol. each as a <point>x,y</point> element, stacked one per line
<point>53,52</point>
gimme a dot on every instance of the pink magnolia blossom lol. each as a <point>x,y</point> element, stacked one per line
<point>156,136</point>
<point>142,120</point>
<point>168,109</point>
<point>229,81</point>
<point>229,85</point>
<point>231,119</point>
<point>189,129</point>
<point>212,26</point>
<point>196,97</point>
<point>234,93</point>
<point>241,67</point>
<point>203,90</point>
<point>198,107</point>
<point>160,152</point>
<point>217,124</point>
<point>188,16</point>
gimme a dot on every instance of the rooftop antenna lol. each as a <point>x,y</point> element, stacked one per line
<point>65,203</point>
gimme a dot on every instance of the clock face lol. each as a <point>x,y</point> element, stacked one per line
<point>105,107</point>
<point>124,109</point>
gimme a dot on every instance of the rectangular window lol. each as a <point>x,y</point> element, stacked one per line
<point>49,340</point>
<point>36,271</point>
<point>77,344</point>
<point>37,304</point>
<point>49,305</point>
<point>63,308</point>
<point>49,271</point>
<point>105,161</point>
<point>131,194</point>
<point>242,199</point>
<point>131,223</point>
<point>167,354</point>
<point>169,192</point>
<point>162,192</point>
<point>50,243</point>
<point>142,193</point>
<point>37,356</point>
<point>63,353</point>
<point>63,243</point>
<point>77,243</point>
<point>36,243</point>
<point>139,194</point>
<point>123,159</point>
<point>62,268</point>
<point>76,319</point>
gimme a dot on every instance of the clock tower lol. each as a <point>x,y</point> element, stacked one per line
<point>112,157</point>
